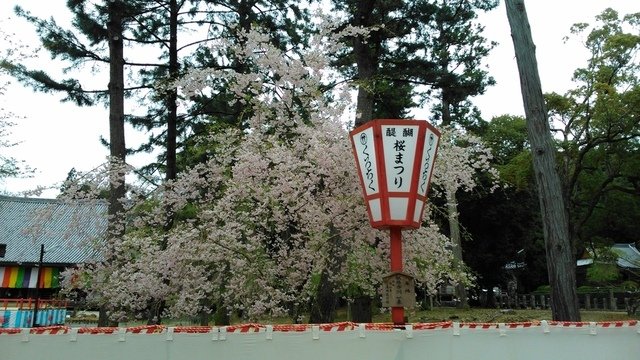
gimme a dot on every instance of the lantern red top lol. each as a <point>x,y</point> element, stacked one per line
<point>395,161</point>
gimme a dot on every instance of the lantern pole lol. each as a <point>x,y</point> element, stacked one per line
<point>395,253</point>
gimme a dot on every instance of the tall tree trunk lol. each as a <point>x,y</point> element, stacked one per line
<point>171,97</point>
<point>364,107</point>
<point>325,303</point>
<point>561,263</point>
<point>221,316</point>
<point>452,203</point>
<point>158,306</point>
<point>117,148</point>
<point>446,110</point>
<point>361,309</point>
<point>366,61</point>
<point>454,235</point>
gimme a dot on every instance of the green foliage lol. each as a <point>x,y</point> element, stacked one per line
<point>506,135</point>
<point>518,172</point>
<point>599,134</point>
<point>604,270</point>
<point>630,285</point>
<point>588,289</point>
<point>418,51</point>
<point>542,289</point>
<point>445,53</point>
<point>62,44</point>
<point>502,227</point>
<point>189,211</point>
<point>602,273</point>
<point>505,225</point>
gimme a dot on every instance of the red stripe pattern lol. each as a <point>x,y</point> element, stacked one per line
<point>332,327</point>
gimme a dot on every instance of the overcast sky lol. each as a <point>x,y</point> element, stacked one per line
<point>56,137</point>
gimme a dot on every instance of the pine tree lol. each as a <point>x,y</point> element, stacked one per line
<point>419,49</point>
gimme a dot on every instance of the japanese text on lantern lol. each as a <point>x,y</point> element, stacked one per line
<point>427,160</point>
<point>365,150</point>
<point>399,143</point>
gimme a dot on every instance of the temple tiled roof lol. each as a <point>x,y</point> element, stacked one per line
<point>68,230</point>
<point>628,256</point>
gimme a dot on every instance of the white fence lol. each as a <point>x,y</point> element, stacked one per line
<point>543,340</point>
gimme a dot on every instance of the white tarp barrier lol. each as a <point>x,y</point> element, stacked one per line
<point>566,341</point>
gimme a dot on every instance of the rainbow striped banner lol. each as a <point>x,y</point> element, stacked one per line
<point>17,277</point>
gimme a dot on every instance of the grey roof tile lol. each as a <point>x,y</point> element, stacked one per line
<point>628,256</point>
<point>68,230</point>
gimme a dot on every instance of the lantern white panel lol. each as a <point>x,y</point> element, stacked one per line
<point>376,210</point>
<point>426,163</point>
<point>366,155</point>
<point>418,210</point>
<point>399,145</point>
<point>398,208</point>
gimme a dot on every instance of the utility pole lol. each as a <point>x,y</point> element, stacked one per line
<point>561,263</point>
<point>37,292</point>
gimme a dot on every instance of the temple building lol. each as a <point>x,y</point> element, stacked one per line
<point>47,234</point>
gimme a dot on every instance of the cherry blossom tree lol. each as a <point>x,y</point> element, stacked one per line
<point>255,222</point>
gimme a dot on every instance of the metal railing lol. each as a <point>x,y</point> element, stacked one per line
<point>22,312</point>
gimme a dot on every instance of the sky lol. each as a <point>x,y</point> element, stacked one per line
<point>54,137</point>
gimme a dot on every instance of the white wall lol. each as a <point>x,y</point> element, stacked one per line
<point>450,341</point>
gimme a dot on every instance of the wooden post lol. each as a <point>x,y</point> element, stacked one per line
<point>612,300</point>
<point>34,319</point>
<point>580,303</point>
<point>559,251</point>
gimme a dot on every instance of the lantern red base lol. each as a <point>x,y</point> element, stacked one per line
<point>397,315</point>
<point>395,251</point>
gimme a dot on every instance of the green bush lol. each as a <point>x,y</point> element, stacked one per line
<point>630,285</point>
<point>542,290</point>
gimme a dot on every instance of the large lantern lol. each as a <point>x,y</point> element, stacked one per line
<point>395,161</point>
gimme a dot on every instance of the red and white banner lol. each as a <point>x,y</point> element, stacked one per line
<point>618,340</point>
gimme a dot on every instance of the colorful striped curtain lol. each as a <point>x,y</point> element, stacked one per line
<point>21,277</point>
